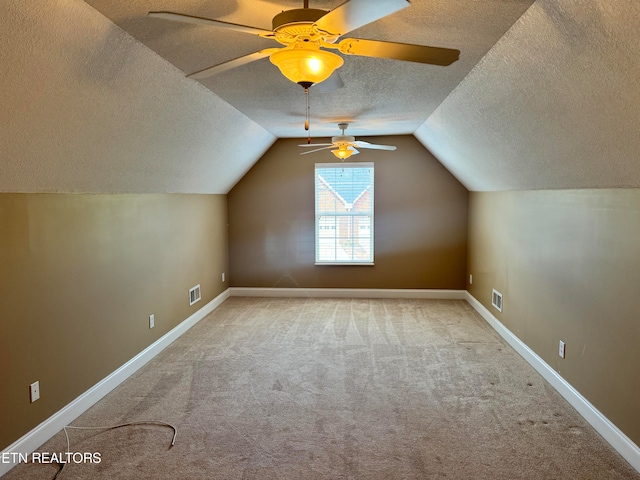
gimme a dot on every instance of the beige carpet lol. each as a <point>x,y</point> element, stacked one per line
<point>338,389</point>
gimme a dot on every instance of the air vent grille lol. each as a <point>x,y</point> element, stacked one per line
<point>194,294</point>
<point>496,300</point>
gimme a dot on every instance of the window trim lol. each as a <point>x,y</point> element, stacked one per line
<point>370,214</point>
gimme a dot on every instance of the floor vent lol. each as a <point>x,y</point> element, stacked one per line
<point>194,294</point>
<point>496,299</point>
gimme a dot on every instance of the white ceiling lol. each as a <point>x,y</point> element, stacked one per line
<point>379,97</point>
<point>84,107</point>
<point>94,98</point>
<point>555,104</point>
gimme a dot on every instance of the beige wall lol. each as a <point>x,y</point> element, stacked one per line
<point>79,276</point>
<point>568,265</point>
<point>420,222</point>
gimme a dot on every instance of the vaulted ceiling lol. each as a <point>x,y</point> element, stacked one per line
<point>546,93</point>
<point>379,96</point>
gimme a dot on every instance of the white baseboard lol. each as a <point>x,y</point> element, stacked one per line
<point>348,293</point>
<point>36,437</point>
<point>612,434</point>
<point>43,432</point>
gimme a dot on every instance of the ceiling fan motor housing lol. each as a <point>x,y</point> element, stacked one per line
<point>342,139</point>
<point>302,61</point>
<point>296,16</point>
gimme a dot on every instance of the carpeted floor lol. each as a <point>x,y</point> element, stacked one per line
<point>337,389</point>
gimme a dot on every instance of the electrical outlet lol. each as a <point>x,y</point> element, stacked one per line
<point>222,277</point>
<point>152,320</point>
<point>470,279</point>
<point>561,349</point>
<point>35,391</point>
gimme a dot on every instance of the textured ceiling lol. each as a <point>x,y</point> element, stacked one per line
<point>94,98</point>
<point>379,96</point>
<point>555,104</point>
<point>86,108</point>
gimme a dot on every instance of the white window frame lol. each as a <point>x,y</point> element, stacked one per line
<point>323,232</point>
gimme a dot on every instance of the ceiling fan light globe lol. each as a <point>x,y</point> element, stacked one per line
<point>306,65</point>
<point>342,153</point>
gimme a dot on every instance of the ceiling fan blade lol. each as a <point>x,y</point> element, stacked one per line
<point>236,62</point>
<point>316,145</point>
<point>362,144</point>
<point>178,17</point>
<point>331,84</point>
<point>399,51</point>
<point>357,13</point>
<point>317,150</point>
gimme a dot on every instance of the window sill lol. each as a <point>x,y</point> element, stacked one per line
<point>333,264</point>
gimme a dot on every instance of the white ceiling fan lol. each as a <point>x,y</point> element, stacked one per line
<point>306,33</point>
<point>344,145</point>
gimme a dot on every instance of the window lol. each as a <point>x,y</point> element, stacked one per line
<point>344,213</point>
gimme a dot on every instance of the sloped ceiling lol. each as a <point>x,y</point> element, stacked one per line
<point>93,95</point>
<point>379,97</point>
<point>86,108</point>
<point>554,104</point>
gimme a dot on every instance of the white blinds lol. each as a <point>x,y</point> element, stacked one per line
<point>344,213</point>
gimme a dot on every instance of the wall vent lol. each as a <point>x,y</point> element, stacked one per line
<point>496,299</point>
<point>194,295</point>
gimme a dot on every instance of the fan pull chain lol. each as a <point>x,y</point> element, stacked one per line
<point>307,123</point>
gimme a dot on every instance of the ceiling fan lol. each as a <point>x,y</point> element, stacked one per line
<point>344,145</point>
<point>305,32</point>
